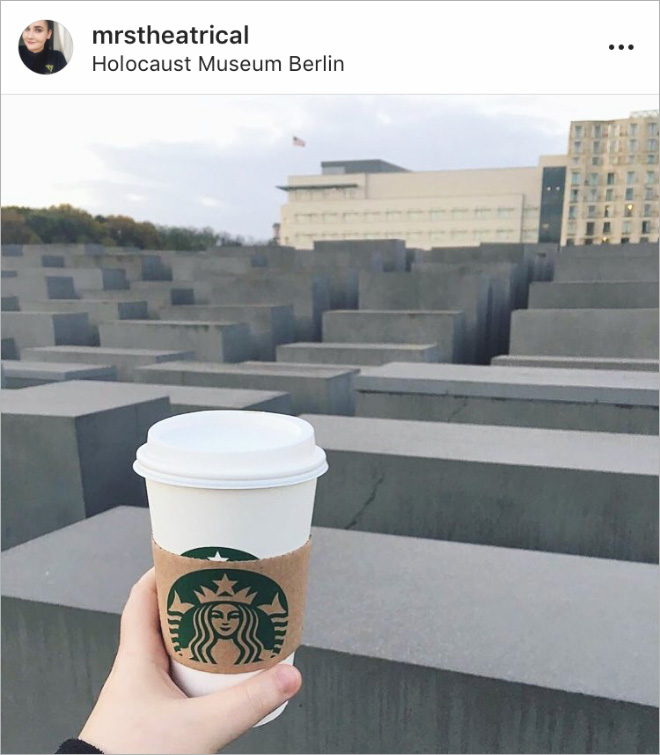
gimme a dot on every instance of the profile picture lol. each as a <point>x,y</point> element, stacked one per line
<point>45,46</point>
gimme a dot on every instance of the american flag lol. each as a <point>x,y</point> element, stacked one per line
<point>299,142</point>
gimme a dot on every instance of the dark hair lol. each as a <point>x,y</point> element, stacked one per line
<point>51,27</point>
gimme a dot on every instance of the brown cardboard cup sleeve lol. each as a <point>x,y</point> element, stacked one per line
<point>228,616</point>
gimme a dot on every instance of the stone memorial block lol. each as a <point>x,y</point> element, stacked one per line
<point>391,251</point>
<point>356,353</point>
<point>607,268</point>
<point>44,287</point>
<point>124,360</point>
<point>594,400</point>
<point>68,450</point>
<point>100,279</point>
<point>185,398</point>
<point>585,363</point>
<point>46,328</point>
<point>9,350</point>
<point>210,341</point>
<point>25,374</point>
<point>270,324</point>
<point>590,494</point>
<point>600,295</point>
<point>197,267</point>
<point>499,650</point>
<point>445,329</point>
<point>605,333</point>
<point>329,389</point>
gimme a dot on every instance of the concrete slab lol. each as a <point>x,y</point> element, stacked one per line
<point>44,287</point>
<point>593,400</point>
<point>617,333</point>
<point>357,353</point>
<point>46,328</point>
<point>9,350</point>
<point>210,341</point>
<point>100,279</point>
<point>601,295</point>
<point>468,293</point>
<point>309,385</point>
<point>369,254</point>
<point>620,268</point>
<point>25,374</point>
<point>445,329</point>
<point>584,363</point>
<point>68,452</point>
<point>270,324</point>
<point>592,494</point>
<point>574,672</point>
<point>124,360</point>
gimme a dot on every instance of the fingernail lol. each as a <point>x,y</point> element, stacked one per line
<point>288,678</point>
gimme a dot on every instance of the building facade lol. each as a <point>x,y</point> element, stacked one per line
<point>612,181</point>
<point>581,197</point>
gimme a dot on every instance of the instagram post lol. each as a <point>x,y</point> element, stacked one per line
<point>330,377</point>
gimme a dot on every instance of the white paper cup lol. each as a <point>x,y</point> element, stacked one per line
<point>230,479</point>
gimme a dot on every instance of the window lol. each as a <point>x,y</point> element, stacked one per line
<point>609,195</point>
<point>593,179</point>
<point>628,211</point>
<point>651,129</point>
<point>648,193</point>
<point>630,194</point>
<point>643,239</point>
<point>330,217</point>
<point>504,212</point>
<point>598,131</point>
<point>590,229</point>
<point>646,226</point>
<point>650,177</point>
<point>438,214</point>
<point>577,131</point>
<point>651,159</point>
<point>607,227</point>
<point>610,179</point>
<point>652,145</point>
<point>625,239</point>
<point>415,214</point>
<point>577,147</point>
<point>570,242</point>
<point>626,227</point>
<point>647,211</point>
<point>482,212</point>
<point>633,129</point>
<point>393,215</point>
<point>591,211</point>
<point>575,195</point>
<point>606,211</point>
<point>630,177</point>
<point>588,242</point>
<point>593,195</point>
<point>632,145</point>
<point>575,177</point>
<point>572,212</point>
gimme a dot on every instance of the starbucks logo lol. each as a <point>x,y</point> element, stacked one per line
<point>228,616</point>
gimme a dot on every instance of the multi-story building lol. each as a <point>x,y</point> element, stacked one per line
<point>612,181</point>
<point>605,190</point>
<point>373,199</point>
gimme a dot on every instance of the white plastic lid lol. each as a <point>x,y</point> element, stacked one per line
<point>232,450</point>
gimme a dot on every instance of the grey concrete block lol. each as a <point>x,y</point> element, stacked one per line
<point>356,353</point>
<point>184,398</point>
<point>100,279</point>
<point>98,311</point>
<point>68,452</point>
<point>367,253</point>
<point>309,385</point>
<point>468,293</point>
<point>196,267</point>
<point>591,400</point>
<point>136,265</point>
<point>611,250</point>
<point>158,295</point>
<point>25,374</point>
<point>514,652</point>
<point>617,333</point>
<point>591,494</point>
<point>9,350</point>
<point>309,293</point>
<point>46,328</point>
<point>269,324</point>
<point>210,341</point>
<point>584,363</point>
<point>124,360</point>
<point>601,295</point>
<point>10,304</point>
<point>445,329</point>
<point>44,287</point>
<point>606,268</point>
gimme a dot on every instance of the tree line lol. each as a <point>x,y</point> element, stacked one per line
<point>64,224</point>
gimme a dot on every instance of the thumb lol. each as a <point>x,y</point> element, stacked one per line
<point>227,714</point>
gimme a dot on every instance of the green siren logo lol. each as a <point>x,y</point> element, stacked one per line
<point>227,616</point>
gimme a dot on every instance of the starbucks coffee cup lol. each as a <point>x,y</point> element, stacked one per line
<point>229,486</point>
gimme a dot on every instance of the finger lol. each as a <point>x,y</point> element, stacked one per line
<point>229,713</point>
<point>140,623</point>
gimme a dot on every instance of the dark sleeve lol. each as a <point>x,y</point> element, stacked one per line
<point>58,61</point>
<point>75,746</point>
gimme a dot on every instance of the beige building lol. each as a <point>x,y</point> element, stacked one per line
<point>612,181</point>
<point>605,190</point>
<point>372,199</point>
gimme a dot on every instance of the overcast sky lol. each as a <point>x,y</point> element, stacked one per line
<point>216,161</point>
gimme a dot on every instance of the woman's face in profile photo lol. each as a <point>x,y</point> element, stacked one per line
<point>36,35</point>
